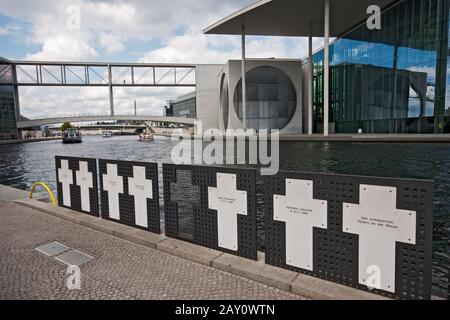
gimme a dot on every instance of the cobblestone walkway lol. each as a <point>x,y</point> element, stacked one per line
<point>121,269</point>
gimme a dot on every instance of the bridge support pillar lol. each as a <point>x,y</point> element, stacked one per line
<point>111,91</point>
<point>16,101</point>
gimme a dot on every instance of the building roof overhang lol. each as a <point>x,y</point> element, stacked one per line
<point>297,18</point>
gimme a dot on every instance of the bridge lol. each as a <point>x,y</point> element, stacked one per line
<point>93,74</point>
<point>48,121</point>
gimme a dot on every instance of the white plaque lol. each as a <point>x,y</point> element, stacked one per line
<point>229,202</point>
<point>85,181</point>
<point>113,183</point>
<point>65,176</point>
<point>301,213</point>
<point>141,189</point>
<point>379,225</point>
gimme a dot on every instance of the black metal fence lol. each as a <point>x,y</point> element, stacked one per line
<point>352,230</point>
<point>129,193</point>
<point>76,181</point>
<point>213,207</point>
<point>364,232</point>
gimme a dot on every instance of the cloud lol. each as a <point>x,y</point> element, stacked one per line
<point>112,27</point>
<point>110,43</point>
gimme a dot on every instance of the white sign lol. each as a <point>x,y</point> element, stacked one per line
<point>301,213</point>
<point>141,189</point>
<point>65,176</point>
<point>86,181</point>
<point>379,225</point>
<point>229,202</point>
<point>113,183</point>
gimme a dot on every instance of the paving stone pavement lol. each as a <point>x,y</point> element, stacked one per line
<point>120,270</point>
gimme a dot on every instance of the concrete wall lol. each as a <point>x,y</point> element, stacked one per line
<point>208,95</point>
<point>306,94</point>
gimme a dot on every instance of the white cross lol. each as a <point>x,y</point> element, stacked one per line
<point>141,189</point>
<point>228,202</point>
<point>113,183</point>
<point>85,181</point>
<point>65,176</point>
<point>301,213</point>
<point>379,225</point>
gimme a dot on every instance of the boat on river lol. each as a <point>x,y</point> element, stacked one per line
<point>71,136</point>
<point>146,137</point>
<point>107,134</point>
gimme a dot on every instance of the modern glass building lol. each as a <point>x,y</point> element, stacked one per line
<point>8,129</point>
<point>392,80</point>
<point>184,106</point>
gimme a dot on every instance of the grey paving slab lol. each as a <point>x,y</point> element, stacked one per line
<point>12,194</point>
<point>121,269</point>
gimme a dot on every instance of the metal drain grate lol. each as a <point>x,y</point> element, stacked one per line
<point>74,258</point>
<point>52,248</point>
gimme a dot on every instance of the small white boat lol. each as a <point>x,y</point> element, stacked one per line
<point>146,137</point>
<point>107,134</point>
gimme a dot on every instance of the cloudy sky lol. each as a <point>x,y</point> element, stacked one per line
<point>122,31</point>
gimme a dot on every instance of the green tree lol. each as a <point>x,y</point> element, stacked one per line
<point>65,126</point>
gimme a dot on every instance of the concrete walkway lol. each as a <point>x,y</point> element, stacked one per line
<point>4,142</point>
<point>12,194</point>
<point>380,138</point>
<point>121,269</point>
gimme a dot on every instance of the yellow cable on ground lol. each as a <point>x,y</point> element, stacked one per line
<point>49,191</point>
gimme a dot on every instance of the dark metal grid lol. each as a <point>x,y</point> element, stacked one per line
<point>75,192</point>
<point>126,201</point>
<point>204,226</point>
<point>336,252</point>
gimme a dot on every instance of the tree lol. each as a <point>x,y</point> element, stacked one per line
<point>65,126</point>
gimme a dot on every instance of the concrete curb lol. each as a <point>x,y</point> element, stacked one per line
<point>189,251</point>
<point>300,284</point>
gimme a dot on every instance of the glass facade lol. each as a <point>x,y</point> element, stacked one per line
<point>8,128</point>
<point>185,106</point>
<point>391,80</point>
<point>447,91</point>
<point>271,99</point>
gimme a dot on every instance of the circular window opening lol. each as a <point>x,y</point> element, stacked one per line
<point>271,99</point>
<point>224,101</point>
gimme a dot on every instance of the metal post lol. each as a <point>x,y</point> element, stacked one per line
<point>392,128</point>
<point>310,83</point>
<point>87,74</point>
<point>111,92</point>
<point>16,100</point>
<point>326,69</point>
<point>244,82</point>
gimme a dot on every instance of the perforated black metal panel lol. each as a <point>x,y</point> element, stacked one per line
<point>127,210</point>
<point>335,253</point>
<point>187,214</point>
<point>75,189</point>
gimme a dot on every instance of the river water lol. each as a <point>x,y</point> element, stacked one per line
<point>23,164</point>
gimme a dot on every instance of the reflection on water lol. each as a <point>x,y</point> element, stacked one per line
<point>23,164</point>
